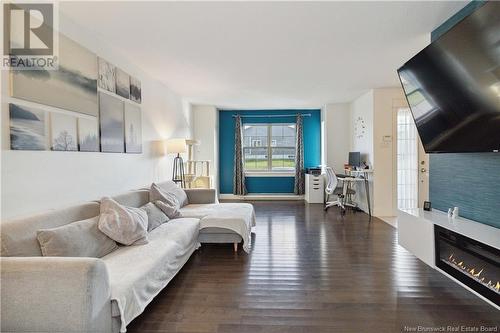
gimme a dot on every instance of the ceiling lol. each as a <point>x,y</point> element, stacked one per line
<point>266,54</point>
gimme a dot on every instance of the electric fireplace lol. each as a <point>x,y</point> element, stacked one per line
<point>475,264</point>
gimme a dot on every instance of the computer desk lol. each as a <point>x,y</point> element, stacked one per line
<point>363,173</point>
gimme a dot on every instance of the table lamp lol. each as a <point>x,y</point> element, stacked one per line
<point>177,146</point>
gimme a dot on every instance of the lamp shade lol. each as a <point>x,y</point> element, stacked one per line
<point>176,146</point>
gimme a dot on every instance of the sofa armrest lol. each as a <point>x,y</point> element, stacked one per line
<point>201,195</point>
<point>54,294</point>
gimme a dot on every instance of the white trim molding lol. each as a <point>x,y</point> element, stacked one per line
<point>269,173</point>
<point>262,196</point>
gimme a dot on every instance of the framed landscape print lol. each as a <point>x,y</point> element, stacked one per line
<point>63,132</point>
<point>88,134</point>
<point>107,76</point>
<point>72,87</point>
<point>133,128</point>
<point>27,128</point>
<point>135,90</point>
<point>111,122</point>
<point>122,84</point>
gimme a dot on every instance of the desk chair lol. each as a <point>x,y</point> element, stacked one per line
<point>340,187</point>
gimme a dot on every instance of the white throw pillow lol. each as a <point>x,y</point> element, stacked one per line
<point>77,239</point>
<point>166,201</point>
<point>174,190</point>
<point>169,209</point>
<point>125,225</point>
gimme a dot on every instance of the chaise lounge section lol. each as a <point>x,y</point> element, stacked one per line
<point>219,222</point>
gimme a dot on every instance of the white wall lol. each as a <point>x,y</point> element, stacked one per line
<point>362,108</point>
<point>386,100</point>
<point>35,181</point>
<point>377,146</point>
<point>337,135</point>
<point>206,129</point>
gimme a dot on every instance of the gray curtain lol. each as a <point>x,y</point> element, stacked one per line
<point>299,157</point>
<point>238,174</point>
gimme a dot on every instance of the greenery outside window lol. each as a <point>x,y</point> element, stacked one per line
<point>269,147</point>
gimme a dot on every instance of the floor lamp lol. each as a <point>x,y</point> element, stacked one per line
<point>177,146</point>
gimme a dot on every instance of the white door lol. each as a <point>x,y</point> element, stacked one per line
<point>407,160</point>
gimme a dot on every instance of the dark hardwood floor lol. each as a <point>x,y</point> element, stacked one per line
<point>311,271</point>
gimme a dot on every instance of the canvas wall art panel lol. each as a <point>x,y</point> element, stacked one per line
<point>88,134</point>
<point>133,128</point>
<point>72,87</point>
<point>111,120</point>
<point>63,135</point>
<point>122,83</point>
<point>135,90</point>
<point>107,76</point>
<point>27,128</point>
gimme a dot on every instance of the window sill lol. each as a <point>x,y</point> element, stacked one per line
<point>269,174</point>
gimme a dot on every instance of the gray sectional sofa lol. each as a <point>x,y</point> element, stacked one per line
<point>76,294</point>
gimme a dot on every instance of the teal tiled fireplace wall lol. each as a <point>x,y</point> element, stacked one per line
<point>468,181</point>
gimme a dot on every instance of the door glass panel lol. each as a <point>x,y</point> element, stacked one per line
<point>407,160</point>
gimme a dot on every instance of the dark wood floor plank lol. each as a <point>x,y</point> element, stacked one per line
<point>311,271</point>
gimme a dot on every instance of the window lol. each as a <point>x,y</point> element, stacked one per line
<point>420,105</point>
<point>269,147</point>
<point>407,154</point>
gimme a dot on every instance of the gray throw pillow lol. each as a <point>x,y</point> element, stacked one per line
<point>126,225</point>
<point>155,216</point>
<point>77,239</point>
<point>174,190</point>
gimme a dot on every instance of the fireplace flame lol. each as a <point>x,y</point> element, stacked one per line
<point>475,273</point>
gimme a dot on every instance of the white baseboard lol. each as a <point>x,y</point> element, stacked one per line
<point>262,196</point>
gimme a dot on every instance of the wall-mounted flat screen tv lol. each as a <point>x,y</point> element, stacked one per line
<point>453,86</point>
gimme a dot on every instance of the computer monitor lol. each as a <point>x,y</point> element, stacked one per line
<point>355,159</point>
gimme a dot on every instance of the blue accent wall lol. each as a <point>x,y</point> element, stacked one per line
<point>468,181</point>
<point>312,148</point>
<point>457,17</point>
